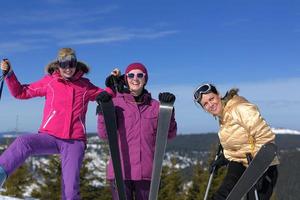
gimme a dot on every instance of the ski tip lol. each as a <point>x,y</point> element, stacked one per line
<point>166,105</point>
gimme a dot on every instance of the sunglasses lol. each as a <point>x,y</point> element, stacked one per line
<point>138,75</point>
<point>202,89</point>
<point>69,61</point>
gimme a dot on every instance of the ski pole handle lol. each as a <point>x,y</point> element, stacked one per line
<point>249,157</point>
<point>4,72</point>
<point>115,74</point>
<point>115,83</point>
<point>220,149</point>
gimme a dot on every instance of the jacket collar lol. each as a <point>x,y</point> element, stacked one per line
<point>145,97</point>
<point>230,104</point>
<point>76,76</point>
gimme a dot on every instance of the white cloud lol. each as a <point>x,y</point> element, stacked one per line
<point>58,17</point>
<point>118,35</point>
<point>72,25</point>
<point>29,39</point>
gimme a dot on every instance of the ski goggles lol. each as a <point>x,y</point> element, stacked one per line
<point>138,75</point>
<point>69,61</point>
<point>202,89</point>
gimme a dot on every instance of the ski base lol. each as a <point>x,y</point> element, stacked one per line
<point>109,115</point>
<point>256,169</point>
<point>164,118</point>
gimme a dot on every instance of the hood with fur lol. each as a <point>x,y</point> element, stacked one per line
<point>53,66</point>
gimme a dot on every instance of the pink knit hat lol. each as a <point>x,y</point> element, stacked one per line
<point>139,66</point>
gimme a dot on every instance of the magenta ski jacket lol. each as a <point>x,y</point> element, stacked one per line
<point>137,126</point>
<point>66,102</point>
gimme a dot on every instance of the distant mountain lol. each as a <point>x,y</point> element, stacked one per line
<point>11,134</point>
<point>285,131</point>
<point>205,142</point>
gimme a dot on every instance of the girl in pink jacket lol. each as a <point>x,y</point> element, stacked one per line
<point>63,130</point>
<point>137,120</point>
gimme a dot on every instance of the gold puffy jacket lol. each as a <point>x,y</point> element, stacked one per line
<point>243,130</point>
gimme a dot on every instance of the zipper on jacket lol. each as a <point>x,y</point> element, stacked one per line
<point>51,116</point>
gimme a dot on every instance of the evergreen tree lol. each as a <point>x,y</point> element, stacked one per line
<point>16,184</point>
<point>171,183</point>
<point>105,193</point>
<point>49,184</point>
<point>198,187</point>
<point>162,193</point>
<point>87,188</point>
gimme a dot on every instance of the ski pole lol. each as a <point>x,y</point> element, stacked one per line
<point>212,173</point>
<point>2,79</point>
<point>249,159</point>
<point>1,85</point>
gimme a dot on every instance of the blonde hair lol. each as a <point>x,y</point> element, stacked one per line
<point>64,52</point>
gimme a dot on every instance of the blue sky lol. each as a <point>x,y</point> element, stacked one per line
<point>253,45</point>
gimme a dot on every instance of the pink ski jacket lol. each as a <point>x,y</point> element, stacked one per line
<point>137,126</point>
<point>66,102</point>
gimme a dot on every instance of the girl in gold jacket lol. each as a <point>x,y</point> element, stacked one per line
<point>242,130</point>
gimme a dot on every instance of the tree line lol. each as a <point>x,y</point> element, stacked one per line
<point>44,180</point>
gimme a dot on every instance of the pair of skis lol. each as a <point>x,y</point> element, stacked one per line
<point>252,174</point>
<point>165,113</point>
<point>257,167</point>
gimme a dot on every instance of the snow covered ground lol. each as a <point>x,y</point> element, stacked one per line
<point>8,198</point>
<point>13,198</point>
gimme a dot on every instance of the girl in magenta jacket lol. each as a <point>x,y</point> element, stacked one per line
<point>137,120</point>
<point>63,130</point>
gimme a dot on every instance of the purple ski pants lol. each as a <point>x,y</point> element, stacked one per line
<point>71,154</point>
<point>138,190</point>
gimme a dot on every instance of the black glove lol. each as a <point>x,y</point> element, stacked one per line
<point>114,82</point>
<point>166,97</point>
<point>219,162</point>
<point>103,97</point>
